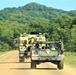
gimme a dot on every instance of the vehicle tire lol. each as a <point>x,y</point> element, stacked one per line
<point>21,59</point>
<point>33,64</point>
<point>60,64</point>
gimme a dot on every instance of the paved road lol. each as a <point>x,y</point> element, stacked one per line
<point>9,65</point>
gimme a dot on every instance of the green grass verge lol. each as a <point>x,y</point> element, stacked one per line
<point>2,53</point>
<point>70,59</point>
<point>5,52</point>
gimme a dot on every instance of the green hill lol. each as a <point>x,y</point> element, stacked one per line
<point>40,18</point>
<point>32,11</point>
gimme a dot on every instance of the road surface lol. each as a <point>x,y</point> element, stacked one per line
<point>9,65</point>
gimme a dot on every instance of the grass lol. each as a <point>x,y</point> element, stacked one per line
<point>70,59</point>
<point>2,53</point>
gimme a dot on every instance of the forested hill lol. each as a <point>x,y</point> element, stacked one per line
<point>40,18</point>
<point>32,11</point>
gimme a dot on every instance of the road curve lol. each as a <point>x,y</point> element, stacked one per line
<point>9,65</point>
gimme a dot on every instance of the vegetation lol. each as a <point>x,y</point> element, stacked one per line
<point>70,59</point>
<point>36,17</point>
<point>2,53</point>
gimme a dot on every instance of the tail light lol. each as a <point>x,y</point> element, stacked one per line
<point>35,53</point>
<point>61,52</point>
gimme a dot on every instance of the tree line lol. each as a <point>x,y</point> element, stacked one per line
<point>38,18</point>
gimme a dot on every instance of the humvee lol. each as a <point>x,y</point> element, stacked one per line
<point>25,43</point>
<point>47,51</point>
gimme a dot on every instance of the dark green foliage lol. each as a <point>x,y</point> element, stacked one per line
<point>38,18</point>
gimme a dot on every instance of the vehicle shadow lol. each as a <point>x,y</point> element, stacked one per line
<point>33,69</point>
<point>26,68</point>
<point>12,62</point>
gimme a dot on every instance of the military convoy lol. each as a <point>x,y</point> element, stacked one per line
<point>40,50</point>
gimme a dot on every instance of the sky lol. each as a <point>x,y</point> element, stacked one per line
<point>66,5</point>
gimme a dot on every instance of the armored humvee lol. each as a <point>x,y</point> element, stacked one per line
<point>47,51</point>
<point>25,43</point>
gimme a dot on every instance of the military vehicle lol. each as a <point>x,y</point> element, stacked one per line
<point>47,51</point>
<point>25,43</point>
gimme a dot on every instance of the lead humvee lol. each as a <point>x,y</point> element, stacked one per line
<point>47,51</point>
<point>25,43</point>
